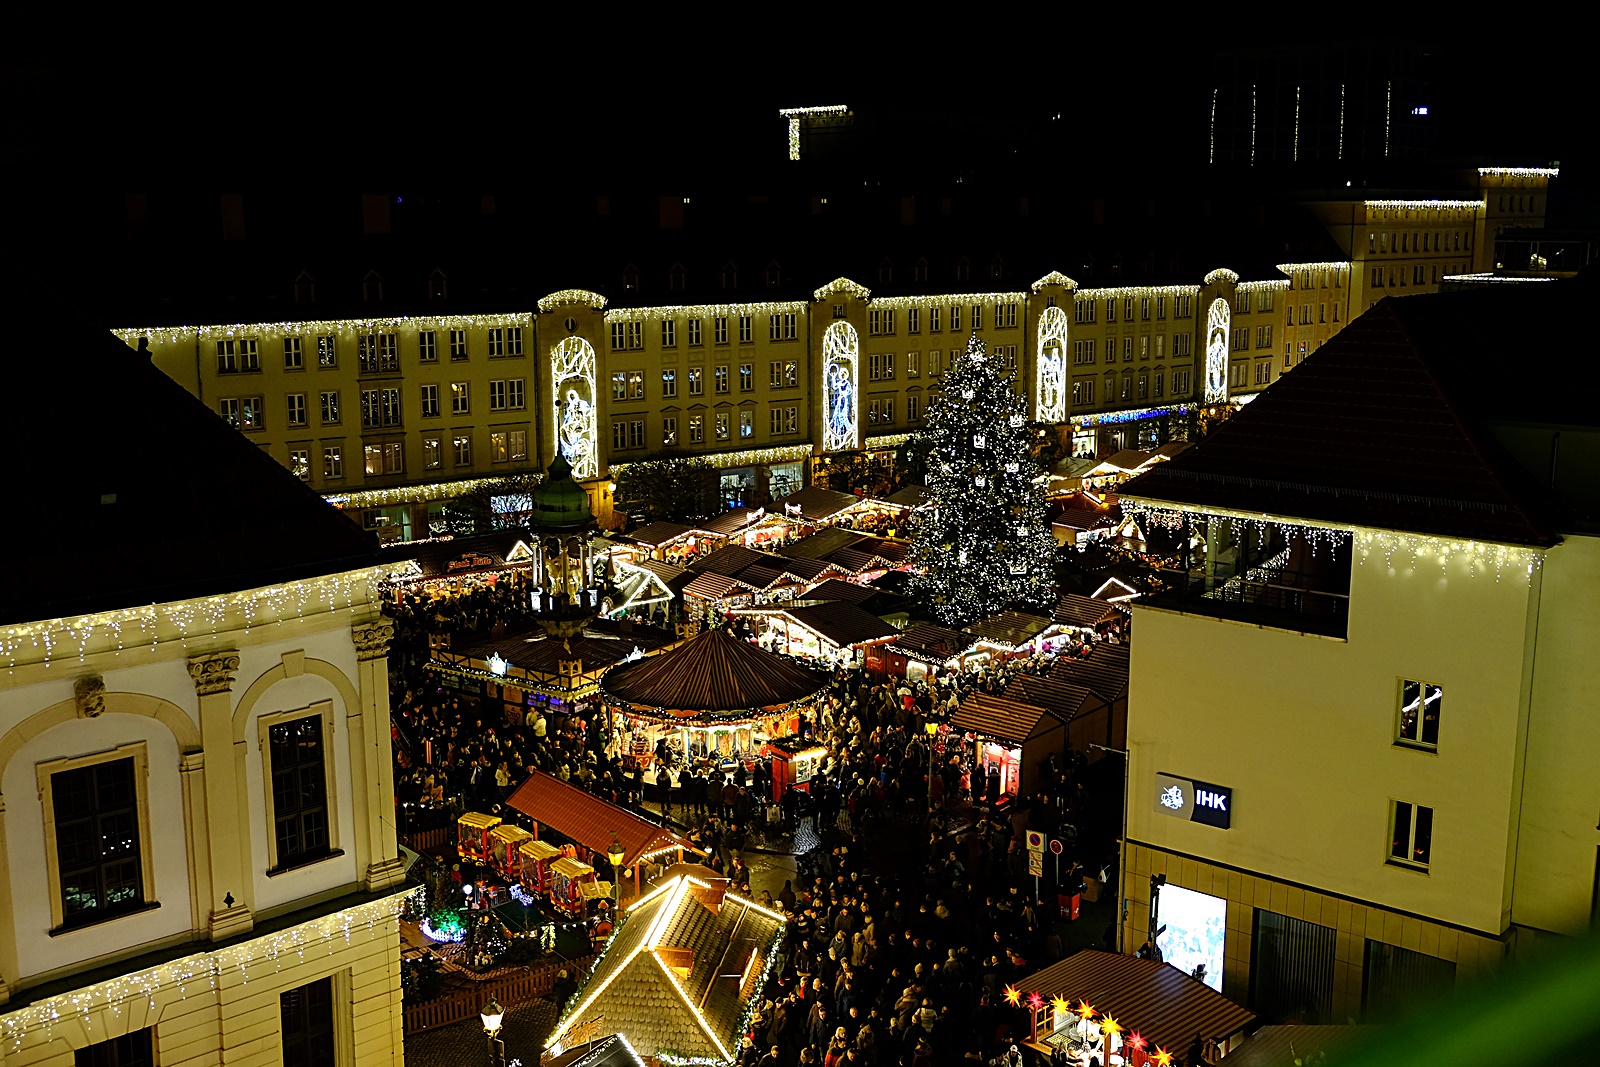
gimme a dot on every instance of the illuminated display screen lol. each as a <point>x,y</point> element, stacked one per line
<point>1194,925</point>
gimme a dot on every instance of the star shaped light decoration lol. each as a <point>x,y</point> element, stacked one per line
<point>1013,995</point>
<point>1110,1026</point>
<point>1085,1012</point>
<point>1060,1006</point>
<point>1035,1001</point>
<point>1163,1058</point>
<point>1136,1041</point>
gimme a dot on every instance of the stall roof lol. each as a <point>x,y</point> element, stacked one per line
<point>613,1051</point>
<point>602,643</point>
<point>656,534</point>
<point>806,570</point>
<point>851,561</point>
<point>1010,628</point>
<point>1000,718</point>
<point>588,820</point>
<point>1084,612</point>
<point>446,557</point>
<point>820,544</point>
<point>841,623</point>
<point>1161,1002</point>
<point>729,560</point>
<point>930,642</point>
<point>1126,461</point>
<point>839,589</point>
<point>814,503</point>
<point>715,673</point>
<point>1104,673</point>
<point>711,586</point>
<point>672,576</point>
<point>731,522</point>
<point>761,576</point>
<point>1061,699</point>
<point>673,977</point>
<point>911,496</point>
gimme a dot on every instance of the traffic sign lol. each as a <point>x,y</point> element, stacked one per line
<point>1035,840</point>
<point>1036,864</point>
<point>1055,845</point>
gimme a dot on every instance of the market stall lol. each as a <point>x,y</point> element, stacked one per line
<point>1010,741</point>
<point>795,761</point>
<point>925,651</point>
<point>448,566</point>
<point>710,698</point>
<point>833,633</point>
<point>472,836</point>
<point>533,869</point>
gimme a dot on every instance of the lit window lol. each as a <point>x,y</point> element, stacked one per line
<point>1411,842</point>
<point>1420,704</point>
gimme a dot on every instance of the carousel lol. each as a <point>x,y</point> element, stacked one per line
<point>711,701</point>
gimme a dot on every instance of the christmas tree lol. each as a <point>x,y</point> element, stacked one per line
<point>984,544</point>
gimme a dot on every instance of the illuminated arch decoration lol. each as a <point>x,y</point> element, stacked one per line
<point>1218,321</point>
<point>572,386</point>
<point>841,359</point>
<point>1051,377</point>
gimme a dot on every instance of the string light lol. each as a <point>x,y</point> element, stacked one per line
<point>1082,422</point>
<point>1251,287</point>
<point>747,457</point>
<point>1050,377</point>
<point>572,368</point>
<point>409,494</point>
<point>1222,275</point>
<point>374,324</point>
<point>1519,172</point>
<point>1218,321</point>
<point>794,115</point>
<point>1423,205</point>
<point>897,303</point>
<point>702,311</point>
<point>572,296</point>
<point>841,358</point>
<point>888,440</point>
<point>845,286</point>
<point>1294,268</point>
<point>179,620</point>
<point>1055,277</point>
<point>1485,277</point>
<point>1137,291</point>
<point>1423,548</point>
<point>159,986</point>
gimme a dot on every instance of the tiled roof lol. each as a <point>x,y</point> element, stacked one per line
<point>851,561</point>
<point>639,983</point>
<point>998,717</point>
<point>729,559</point>
<point>715,673</point>
<point>1011,628</point>
<point>761,576</point>
<point>731,522</point>
<point>1104,673</point>
<point>911,496</point>
<point>929,641</point>
<point>1059,698</point>
<point>141,500</point>
<point>1376,429</point>
<point>842,623</point>
<point>1083,611</point>
<point>820,544</point>
<point>1159,1001</point>
<point>588,820</point>
<point>839,589</point>
<point>815,503</point>
<point>657,533</point>
<point>711,586</point>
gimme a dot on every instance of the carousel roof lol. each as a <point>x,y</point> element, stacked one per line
<point>715,673</point>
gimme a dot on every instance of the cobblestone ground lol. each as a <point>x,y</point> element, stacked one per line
<point>464,1044</point>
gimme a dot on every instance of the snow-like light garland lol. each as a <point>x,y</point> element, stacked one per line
<point>1495,279</point>
<point>1050,376</point>
<point>703,311</point>
<point>887,440</point>
<point>572,296</point>
<point>443,936</point>
<point>1519,172</point>
<point>1331,264</point>
<point>1136,291</point>
<point>378,323</point>
<point>1055,277</point>
<point>1222,274</point>
<point>1219,320</point>
<point>408,494</point>
<point>843,285</point>
<point>794,114</point>
<point>747,457</point>
<point>200,974</point>
<point>1251,287</point>
<point>897,303</point>
<point>1423,205</point>
<point>572,368</point>
<point>148,625</point>
<point>1132,415</point>
<point>841,356</point>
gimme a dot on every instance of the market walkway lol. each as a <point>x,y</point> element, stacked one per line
<point>464,1044</point>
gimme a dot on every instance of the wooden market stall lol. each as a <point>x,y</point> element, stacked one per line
<point>713,697</point>
<point>1010,742</point>
<point>1104,672</point>
<point>925,651</point>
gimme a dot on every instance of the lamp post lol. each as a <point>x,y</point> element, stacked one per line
<point>616,855</point>
<point>492,1015</point>
<point>933,731</point>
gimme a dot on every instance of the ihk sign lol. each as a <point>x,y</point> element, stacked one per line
<point>1202,802</point>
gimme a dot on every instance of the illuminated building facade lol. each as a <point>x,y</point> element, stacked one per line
<point>1362,756</point>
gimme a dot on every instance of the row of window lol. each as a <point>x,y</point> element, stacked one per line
<point>629,434</point>
<point>1239,373</point>
<point>1083,352</point>
<point>1148,307</point>
<point>1416,726</point>
<point>1418,241</point>
<point>629,384</point>
<point>881,322</point>
<point>1145,387</point>
<point>629,335</point>
<point>1305,315</point>
<point>1421,274</point>
<point>389,457</point>
<point>1240,340</point>
<point>376,353</point>
<point>380,408</point>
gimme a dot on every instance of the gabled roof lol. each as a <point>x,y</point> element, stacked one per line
<point>851,561</point>
<point>149,497</point>
<point>839,589</point>
<point>1000,717</point>
<point>806,570</point>
<point>588,820</point>
<point>929,641</point>
<point>911,496</point>
<point>821,544</point>
<point>711,586</point>
<point>1083,611</point>
<point>1010,628</point>
<point>761,576</point>
<point>731,522</point>
<point>1059,698</point>
<point>1378,428</point>
<point>1159,1001</point>
<point>656,534</point>
<point>1104,673</point>
<point>729,559</point>
<point>714,674</point>
<point>841,623</point>
<point>680,971</point>
<point>814,503</point>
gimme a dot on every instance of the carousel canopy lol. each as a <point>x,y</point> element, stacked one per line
<point>714,674</point>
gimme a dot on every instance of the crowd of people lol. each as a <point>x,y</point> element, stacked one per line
<point>908,917</point>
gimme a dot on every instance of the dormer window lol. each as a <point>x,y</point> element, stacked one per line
<point>630,278</point>
<point>677,278</point>
<point>438,285</point>
<point>919,273</point>
<point>963,269</point>
<point>885,272</point>
<point>774,274</point>
<point>730,275</point>
<point>305,289</point>
<point>996,269</point>
<point>372,288</point>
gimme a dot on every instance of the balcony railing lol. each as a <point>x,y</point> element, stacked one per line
<point>1278,601</point>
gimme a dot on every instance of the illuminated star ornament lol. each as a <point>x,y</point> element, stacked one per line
<point>1035,1001</point>
<point>1013,995</point>
<point>1136,1041</point>
<point>1084,1010</point>
<point>1060,1006</point>
<point>1163,1058</point>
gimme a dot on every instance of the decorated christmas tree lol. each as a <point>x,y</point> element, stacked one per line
<point>984,544</point>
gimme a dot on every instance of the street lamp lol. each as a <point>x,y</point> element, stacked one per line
<point>492,1014</point>
<point>616,855</point>
<point>933,731</point>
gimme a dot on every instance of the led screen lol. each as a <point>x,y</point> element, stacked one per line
<point>1194,925</point>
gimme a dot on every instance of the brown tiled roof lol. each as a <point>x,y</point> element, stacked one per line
<point>911,496</point>
<point>1059,698</point>
<point>851,561</point>
<point>711,586</point>
<point>927,641</point>
<point>805,569</point>
<point>842,623</point>
<point>657,533</point>
<point>820,544</point>
<point>1010,627</point>
<point>998,717</point>
<point>715,674</point>
<point>588,820</point>
<point>729,559</point>
<point>815,503</point>
<point>839,589</point>
<point>761,576</point>
<point>1104,673</point>
<point>731,522</point>
<point>1083,611</point>
<point>1159,1001</point>
<point>1376,429</point>
<point>717,935</point>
